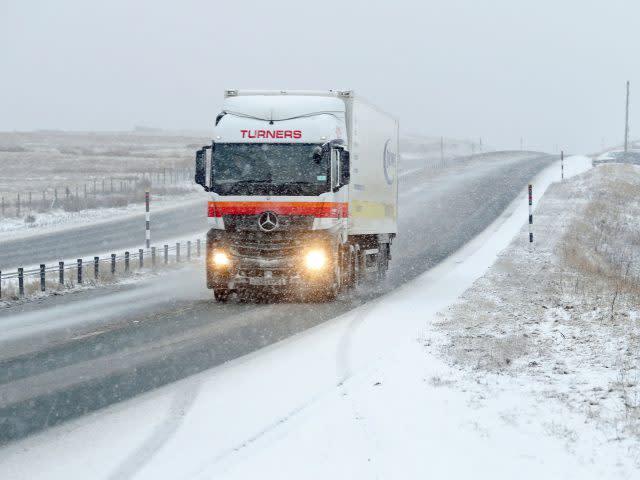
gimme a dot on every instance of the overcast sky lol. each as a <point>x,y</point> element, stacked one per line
<point>550,71</point>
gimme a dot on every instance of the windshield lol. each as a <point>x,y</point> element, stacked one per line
<point>269,169</point>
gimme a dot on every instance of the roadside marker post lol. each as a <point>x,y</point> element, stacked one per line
<point>42,279</point>
<point>153,257</point>
<point>147,219</point>
<point>126,262</point>
<point>79,270</point>
<point>96,267</point>
<point>113,264</point>
<point>562,165</point>
<point>140,258</point>
<point>530,214</point>
<point>21,281</point>
<point>61,273</point>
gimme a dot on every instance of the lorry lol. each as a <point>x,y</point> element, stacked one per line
<point>303,193</point>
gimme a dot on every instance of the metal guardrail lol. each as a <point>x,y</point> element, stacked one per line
<point>77,273</point>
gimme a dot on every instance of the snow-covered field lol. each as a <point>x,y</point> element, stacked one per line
<point>561,321</point>
<point>114,167</point>
<point>383,392</point>
<point>35,161</point>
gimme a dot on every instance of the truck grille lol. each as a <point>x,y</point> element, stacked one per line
<point>265,245</point>
<point>249,223</point>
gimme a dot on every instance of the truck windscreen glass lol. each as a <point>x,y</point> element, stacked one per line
<point>269,169</point>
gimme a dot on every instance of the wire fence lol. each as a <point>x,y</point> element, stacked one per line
<point>115,191</point>
<point>65,276</point>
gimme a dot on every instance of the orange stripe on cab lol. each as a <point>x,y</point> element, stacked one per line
<point>315,209</point>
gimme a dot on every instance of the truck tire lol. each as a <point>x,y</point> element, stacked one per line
<point>221,294</point>
<point>383,260</point>
<point>349,267</point>
<point>358,266</point>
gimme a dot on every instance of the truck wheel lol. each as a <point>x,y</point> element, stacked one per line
<point>349,267</point>
<point>221,294</point>
<point>383,260</point>
<point>334,284</point>
<point>357,266</point>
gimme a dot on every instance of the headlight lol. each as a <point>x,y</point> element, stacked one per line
<point>315,260</point>
<point>221,259</point>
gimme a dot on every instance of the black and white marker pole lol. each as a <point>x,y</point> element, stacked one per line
<point>148,219</point>
<point>530,214</point>
<point>562,165</point>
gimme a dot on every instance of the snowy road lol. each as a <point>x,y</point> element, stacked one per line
<point>65,356</point>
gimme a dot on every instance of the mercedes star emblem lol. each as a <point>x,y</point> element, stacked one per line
<point>268,221</point>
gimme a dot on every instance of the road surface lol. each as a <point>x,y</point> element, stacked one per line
<point>64,356</point>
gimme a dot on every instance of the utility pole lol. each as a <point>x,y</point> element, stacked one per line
<point>626,122</point>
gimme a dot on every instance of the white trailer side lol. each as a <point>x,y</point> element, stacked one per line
<point>373,191</point>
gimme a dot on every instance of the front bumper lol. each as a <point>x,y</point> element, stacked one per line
<point>267,260</point>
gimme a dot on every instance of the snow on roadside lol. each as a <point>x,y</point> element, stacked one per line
<point>57,220</point>
<point>561,321</point>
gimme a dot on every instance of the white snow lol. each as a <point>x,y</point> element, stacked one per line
<point>58,220</point>
<point>359,396</point>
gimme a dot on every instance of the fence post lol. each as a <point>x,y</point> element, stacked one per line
<point>113,264</point>
<point>141,258</point>
<point>153,256</point>
<point>79,270</point>
<point>188,250</point>
<point>96,267</point>
<point>21,281</point>
<point>126,262</point>
<point>166,254</point>
<point>530,213</point>
<point>198,248</point>
<point>42,279</point>
<point>177,252</point>
<point>61,273</point>
<point>148,219</point>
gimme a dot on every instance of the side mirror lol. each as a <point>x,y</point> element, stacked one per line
<point>317,154</point>
<point>345,168</point>
<point>201,168</point>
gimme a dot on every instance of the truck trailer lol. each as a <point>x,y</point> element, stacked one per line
<point>303,193</point>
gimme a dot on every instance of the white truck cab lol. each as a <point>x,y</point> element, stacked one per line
<point>303,192</point>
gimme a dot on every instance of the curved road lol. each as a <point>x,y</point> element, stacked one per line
<point>64,356</point>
